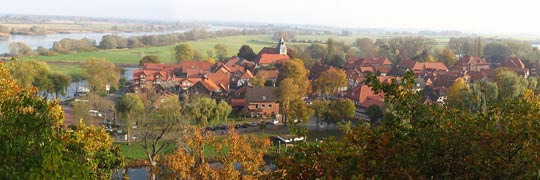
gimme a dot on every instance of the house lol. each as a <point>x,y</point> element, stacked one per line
<point>370,65</point>
<point>192,69</point>
<point>471,63</point>
<point>244,79</point>
<point>515,64</point>
<point>363,97</point>
<point>269,55</point>
<point>420,68</point>
<point>148,78</point>
<point>261,102</point>
<point>206,87</point>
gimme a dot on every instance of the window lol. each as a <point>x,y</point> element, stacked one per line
<point>142,76</point>
<point>262,106</point>
<point>270,105</point>
<point>256,106</point>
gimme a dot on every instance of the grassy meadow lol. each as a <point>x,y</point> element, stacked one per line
<point>165,53</point>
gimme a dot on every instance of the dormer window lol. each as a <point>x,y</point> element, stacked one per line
<point>142,76</point>
<point>158,77</point>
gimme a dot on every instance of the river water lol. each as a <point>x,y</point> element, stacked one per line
<point>34,41</point>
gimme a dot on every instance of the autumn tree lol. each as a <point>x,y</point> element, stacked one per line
<point>189,161</point>
<point>367,48</point>
<point>245,52</point>
<point>27,73</point>
<point>183,52</point>
<point>447,57</point>
<point>330,82</point>
<point>457,96</point>
<point>99,73</point>
<point>410,46</point>
<point>149,59</point>
<point>257,81</point>
<point>39,147</point>
<point>417,141</point>
<point>292,85</point>
<point>19,49</point>
<point>221,51</point>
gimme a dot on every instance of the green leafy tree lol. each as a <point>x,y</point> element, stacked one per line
<point>183,52</point>
<point>130,107</point>
<point>159,120</point>
<point>510,84</point>
<point>149,59</point>
<point>340,111</point>
<point>60,82</point>
<point>108,42</point>
<point>375,114</point>
<point>221,51</point>
<point>245,52</point>
<point>99,73</point>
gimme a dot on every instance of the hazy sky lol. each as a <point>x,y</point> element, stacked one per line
<point>488,16</point>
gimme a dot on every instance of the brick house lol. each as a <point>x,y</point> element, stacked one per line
<point>471,63</point>
<point>261,102</point>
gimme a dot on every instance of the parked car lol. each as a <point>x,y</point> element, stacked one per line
<point>245,125</point>
<point>237,126</point>
<point>275,121</point>
<point>210,128</point>
<point>253,124</point>
<point>95,113</point>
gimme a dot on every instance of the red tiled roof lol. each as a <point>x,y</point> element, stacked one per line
<point>514,62</point>
<point>419,66</point>
<point>151,75</point>
<point>465,60</point>
<point>232,61</point>
<point>237,102</point>
<point>209,84</point>
<point>192,65</point>
<point>367,69</point>
<point>435,66</point>
<point>362,93</point>
<point>272,58</point>
<point>153,66</point>
<point>247,75</point>
<point>220,77</point>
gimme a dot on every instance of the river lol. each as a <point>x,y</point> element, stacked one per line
<point>34,41</point>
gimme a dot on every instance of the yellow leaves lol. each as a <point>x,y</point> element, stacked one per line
<point>189,160</point>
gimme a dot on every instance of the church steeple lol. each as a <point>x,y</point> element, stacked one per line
<point>281,47</point>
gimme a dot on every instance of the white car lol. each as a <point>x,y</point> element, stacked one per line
<point>275,121</point>
<point>95,113</point>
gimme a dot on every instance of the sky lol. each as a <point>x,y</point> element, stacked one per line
<point>475,16</point>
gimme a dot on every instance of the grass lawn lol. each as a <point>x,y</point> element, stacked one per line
<point>135,151</point>
<point>66,69</point>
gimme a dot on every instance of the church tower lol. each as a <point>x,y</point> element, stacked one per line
<point>281,47</point>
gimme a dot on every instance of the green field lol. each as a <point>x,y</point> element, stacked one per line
<point>165,53</point>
